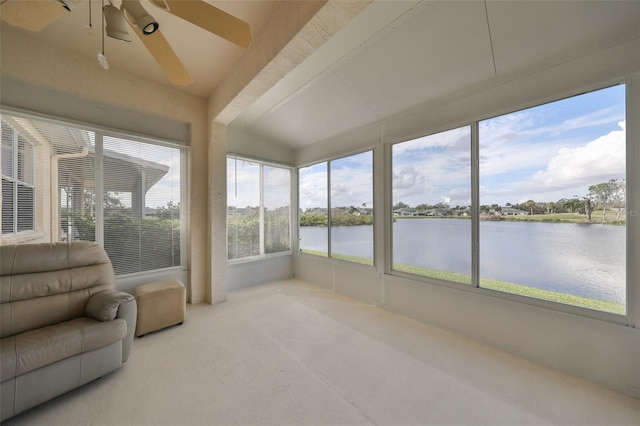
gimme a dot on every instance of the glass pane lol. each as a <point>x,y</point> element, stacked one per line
<point>77,194</point>
<point>7,206</point>
<point>277,210</point>
<point>552,195</point>
<point>243,208</point>
<point>25,161</point>
<point>431,206</point>
<point>7,150</point>
<point>352,208</point>
<point>26,204</point>
<point>141,205</point>
<point>314,217</point>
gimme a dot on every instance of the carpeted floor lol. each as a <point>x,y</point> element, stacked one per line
<point>289,353</point>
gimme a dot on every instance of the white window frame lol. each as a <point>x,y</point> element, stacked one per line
<point>262,255</point>
<point>632,85</point>
<point>328,161</point>
<point>135,277</point>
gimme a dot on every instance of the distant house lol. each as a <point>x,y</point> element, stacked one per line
<point>510,211</point>
<point>406,211</point>
<point>441,211</point>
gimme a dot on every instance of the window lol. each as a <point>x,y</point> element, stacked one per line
<point>121,191</point>
<point>258,208</point>
<point>141,184</point>
<point>432,206</point>
<point>350,180</point>
<point>352,208</point>
<point>18,189</point>
<point>552,201</point>
<point>314,209</point>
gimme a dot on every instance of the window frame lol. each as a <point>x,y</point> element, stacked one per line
<point>632,112</point>
<point>262,254</point>
<point>100,132</point>
<point>329,257</point>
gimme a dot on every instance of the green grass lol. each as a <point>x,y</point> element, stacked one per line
<point>521,290</point>
<point>503,286</point>
<point>596,217</point>
<point>355,259</point>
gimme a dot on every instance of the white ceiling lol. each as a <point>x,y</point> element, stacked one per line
<point>391,57</point>
<point>206,56</point>
<point>427,50</point>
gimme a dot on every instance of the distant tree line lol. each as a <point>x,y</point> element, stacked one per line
<point>607,196</point>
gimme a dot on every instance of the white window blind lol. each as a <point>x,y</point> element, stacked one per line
<point>141,205</point>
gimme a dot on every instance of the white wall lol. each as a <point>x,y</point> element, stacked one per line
<point>607,352</point>
<point>273,268</point>
<point>247,145</point>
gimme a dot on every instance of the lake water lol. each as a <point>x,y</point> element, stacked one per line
<point>581,259</point>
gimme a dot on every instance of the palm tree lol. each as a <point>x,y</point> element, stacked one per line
<point>530,204</point>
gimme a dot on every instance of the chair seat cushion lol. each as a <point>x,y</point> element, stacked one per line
<point>33,349</point>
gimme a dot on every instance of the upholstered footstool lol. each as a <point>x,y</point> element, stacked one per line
<point>160,304</point>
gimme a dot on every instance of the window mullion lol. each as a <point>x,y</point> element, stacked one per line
<point>14,176</point>
<point>261,211</point>
<point>475,205</point>
<point>98,170</point>
<point>329,209</point>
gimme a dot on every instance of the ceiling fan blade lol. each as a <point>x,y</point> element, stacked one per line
<point>164,55</point>
<point>210,18</point>
<point>30,15</point>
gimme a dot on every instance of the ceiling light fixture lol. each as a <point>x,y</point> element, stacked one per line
<point>102,60</point>
<point>116,26</point>
<point>139,17</point>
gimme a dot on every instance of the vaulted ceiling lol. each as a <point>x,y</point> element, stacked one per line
<point>408,53</point>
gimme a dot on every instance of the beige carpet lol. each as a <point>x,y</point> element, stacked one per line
<point>289,353</point>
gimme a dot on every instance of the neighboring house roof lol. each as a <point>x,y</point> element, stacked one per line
<point>121,171</point>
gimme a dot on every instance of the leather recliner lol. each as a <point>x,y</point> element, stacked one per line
<point>63,323</point>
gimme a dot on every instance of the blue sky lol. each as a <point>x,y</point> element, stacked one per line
<point>553,151</point>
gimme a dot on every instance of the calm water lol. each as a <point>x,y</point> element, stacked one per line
<point>584,260</point>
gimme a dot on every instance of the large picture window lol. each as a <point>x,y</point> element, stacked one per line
<point>552,201</point>
<point>350,215</point>
<point>121,191</point>
<point>141,185</point>
<point>432,206</point>
<point>258,208</point>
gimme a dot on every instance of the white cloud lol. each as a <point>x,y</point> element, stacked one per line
<point>601,159</point>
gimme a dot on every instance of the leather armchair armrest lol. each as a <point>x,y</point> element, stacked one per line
<point>111,304</point>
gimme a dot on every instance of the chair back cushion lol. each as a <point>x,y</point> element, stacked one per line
<point>45,284</point>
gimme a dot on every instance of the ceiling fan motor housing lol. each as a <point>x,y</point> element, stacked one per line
<point>140,17</point>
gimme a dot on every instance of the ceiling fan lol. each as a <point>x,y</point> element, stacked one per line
<point>36,15</point>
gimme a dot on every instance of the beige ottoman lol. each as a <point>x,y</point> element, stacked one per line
<point>160,304</point>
